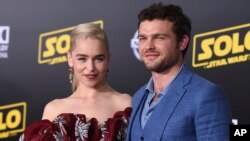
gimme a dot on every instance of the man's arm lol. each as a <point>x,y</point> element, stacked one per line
<point>213,116</point>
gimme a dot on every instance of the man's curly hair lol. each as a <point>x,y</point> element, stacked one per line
<point>172,13</point>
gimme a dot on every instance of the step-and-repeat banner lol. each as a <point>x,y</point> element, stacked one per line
<point>34,40</point>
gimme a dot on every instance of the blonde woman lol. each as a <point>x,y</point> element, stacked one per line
<point>94,111</point>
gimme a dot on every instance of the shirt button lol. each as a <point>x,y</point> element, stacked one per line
<point>142,138</point>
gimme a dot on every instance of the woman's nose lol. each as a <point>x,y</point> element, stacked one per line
<point>90,65</point>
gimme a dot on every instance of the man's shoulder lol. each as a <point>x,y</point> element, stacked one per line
<point>141,89</point>
<point>204,87</point>
<point>140,92</point>
<point>197,78</point>
<point>202,81</point>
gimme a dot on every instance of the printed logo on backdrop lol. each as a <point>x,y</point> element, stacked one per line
<point>222,47</point>
<point>4,41</point>
<point>134,43</point>
<point>12,119</point>
<point>54,45</point>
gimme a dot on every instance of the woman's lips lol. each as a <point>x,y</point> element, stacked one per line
<point>90,76</point>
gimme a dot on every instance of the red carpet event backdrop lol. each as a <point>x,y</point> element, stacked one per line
<point>34,40</point>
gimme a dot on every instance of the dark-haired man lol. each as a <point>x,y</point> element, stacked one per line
<point>176,104</point>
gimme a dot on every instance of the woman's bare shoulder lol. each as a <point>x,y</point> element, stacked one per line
<point>124,99</point>
<point>54,103</point>
<point>52,108</point>
<point>125,96</point>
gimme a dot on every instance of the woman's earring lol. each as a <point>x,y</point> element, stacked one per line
<point>70,75</point>
<point>106,79</point>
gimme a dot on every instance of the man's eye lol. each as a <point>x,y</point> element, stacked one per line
<point>99,59</point>
<point>160,37</point>
<point>141,38</point>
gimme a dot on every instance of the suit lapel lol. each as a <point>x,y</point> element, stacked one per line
<point>159,119</point>
<point>138,100</point>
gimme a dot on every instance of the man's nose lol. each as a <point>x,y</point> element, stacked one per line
<point>149,44</point>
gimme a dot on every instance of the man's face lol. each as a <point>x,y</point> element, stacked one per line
<point>158,45</point>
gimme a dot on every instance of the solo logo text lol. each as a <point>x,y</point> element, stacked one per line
<point>222,47</point>
<point>12,119</point>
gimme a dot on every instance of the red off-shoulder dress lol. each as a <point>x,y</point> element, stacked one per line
<point>75,127</point>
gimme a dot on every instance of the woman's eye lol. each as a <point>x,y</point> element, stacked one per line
<point>82,59</point>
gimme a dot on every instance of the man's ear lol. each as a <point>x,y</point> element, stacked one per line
<point>184,42</point>
<point>69,56</point>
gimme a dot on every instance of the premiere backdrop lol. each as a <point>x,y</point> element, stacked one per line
<point>34,39</point>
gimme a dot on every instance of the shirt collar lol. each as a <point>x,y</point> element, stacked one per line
<point>150,84</point>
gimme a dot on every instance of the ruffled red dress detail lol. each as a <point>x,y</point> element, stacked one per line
<point>75,127</point>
